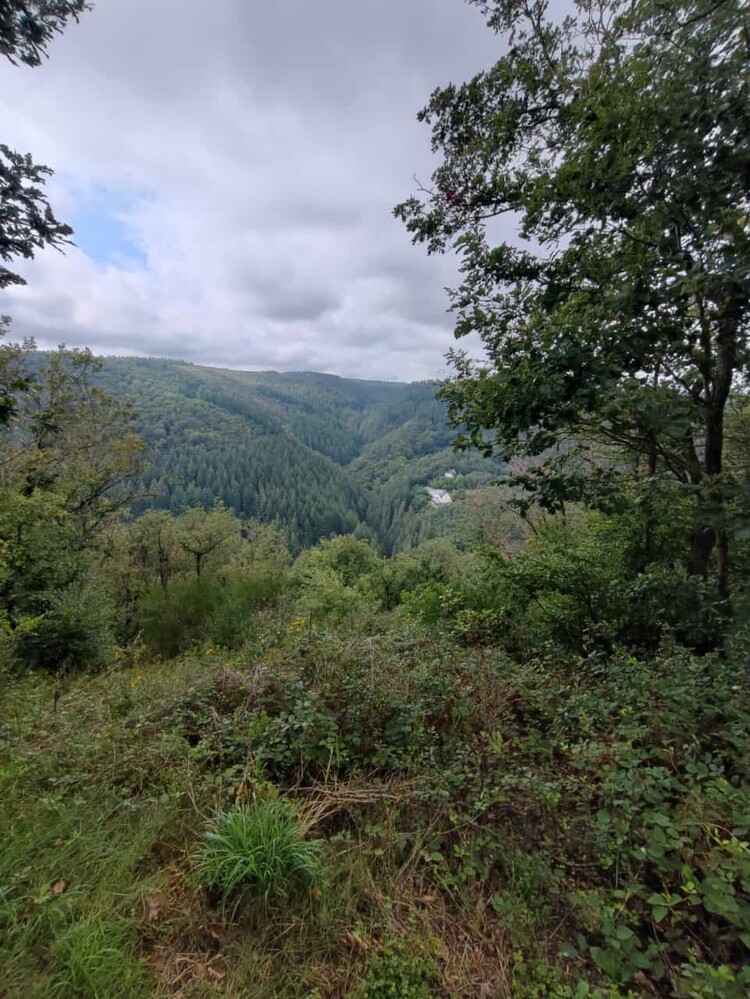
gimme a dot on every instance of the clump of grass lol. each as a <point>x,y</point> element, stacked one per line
<point>96,959</point>
<point>260,851</point>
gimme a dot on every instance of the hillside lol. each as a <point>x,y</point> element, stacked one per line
<point>234,770</point>
<point>320,454</point>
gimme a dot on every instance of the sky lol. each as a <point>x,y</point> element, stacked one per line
<point>230,169</point>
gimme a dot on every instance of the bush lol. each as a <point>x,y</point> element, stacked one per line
<point>74,632</point>
<point>425,602</point>
<point>205,608</point>
<point>577,585</point>
<point>261,851</point>
<point>334,578</point>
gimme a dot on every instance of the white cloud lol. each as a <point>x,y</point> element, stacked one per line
<point>253,155</point>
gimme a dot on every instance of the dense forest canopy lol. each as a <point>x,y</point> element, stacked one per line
<point>317,454</point>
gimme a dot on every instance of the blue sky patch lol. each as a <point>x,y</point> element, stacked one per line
<point>105,239</point>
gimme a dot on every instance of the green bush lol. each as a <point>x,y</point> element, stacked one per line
<point>232,622</point>
<point>75,631</point>
<point>581,582</point>
<point>261,852</point>
<point>334,579</point>
<point>425,602</point>
<point>205,608</point>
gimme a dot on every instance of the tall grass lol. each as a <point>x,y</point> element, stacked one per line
<point>261,852</point>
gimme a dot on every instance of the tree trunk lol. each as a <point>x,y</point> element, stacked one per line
<point>701,547</point>
<point>646,539</point>
<point>712,535</point>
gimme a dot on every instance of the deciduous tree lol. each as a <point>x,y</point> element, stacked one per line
<point>614,145</point>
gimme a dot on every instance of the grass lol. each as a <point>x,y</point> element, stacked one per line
<point>480,824</point>
<point>96,958</point>
<point>261,850</point>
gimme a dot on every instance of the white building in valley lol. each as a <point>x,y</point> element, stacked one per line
<point>438,497</point>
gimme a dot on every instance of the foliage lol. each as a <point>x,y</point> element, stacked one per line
<point>27,223</point>
<point>331,576</point>
<point>261,850</point>
<point>70,437</point>
<point>13,378</point>
<point>75,631</point>
<point>26,28</point>
<point>204,609</point>
<point>610,137</point>
<point>66,456</point>
<point>317,455</point>
<point>581,582</point>
<point>203,533</point>
<point>577,823</point>
<point>394,973</point>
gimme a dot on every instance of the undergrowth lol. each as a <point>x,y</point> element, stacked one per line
<point>390,811</point>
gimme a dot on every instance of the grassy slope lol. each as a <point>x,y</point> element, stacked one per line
<point>481,813</point>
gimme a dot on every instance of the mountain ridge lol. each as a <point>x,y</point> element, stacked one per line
<point>321,454</point>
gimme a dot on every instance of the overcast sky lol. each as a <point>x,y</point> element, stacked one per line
<point>230,168</point>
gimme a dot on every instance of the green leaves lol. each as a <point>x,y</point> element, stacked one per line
<point>27,28</point>
<point>612,143</point>
<point>27,223</point>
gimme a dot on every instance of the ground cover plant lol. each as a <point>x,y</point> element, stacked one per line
<point>261,850</point>
<point>432,817</point>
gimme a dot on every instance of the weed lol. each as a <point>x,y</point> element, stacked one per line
<point>397,973</point>
<point>96,960</point>
<point>261,851</point>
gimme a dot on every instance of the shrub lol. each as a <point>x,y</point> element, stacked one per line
<point>334,578</point>
<point>261,851</point>
<point>205,608</point>
<point>73,632</point>
<point>425,602</point>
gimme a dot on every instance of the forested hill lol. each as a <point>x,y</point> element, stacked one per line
<point>320,454</point>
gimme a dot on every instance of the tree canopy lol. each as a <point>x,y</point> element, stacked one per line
<point>610,147</point>
<point>28,26</point>
<point>27,222</point>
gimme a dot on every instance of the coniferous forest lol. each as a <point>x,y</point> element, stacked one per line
<point>317,454</point>
<point>278,721</point>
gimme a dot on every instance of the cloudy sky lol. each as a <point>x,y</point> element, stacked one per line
<point>229,168</point>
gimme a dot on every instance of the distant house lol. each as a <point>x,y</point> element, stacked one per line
<point>438,497</point>
<point>451,473</point>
